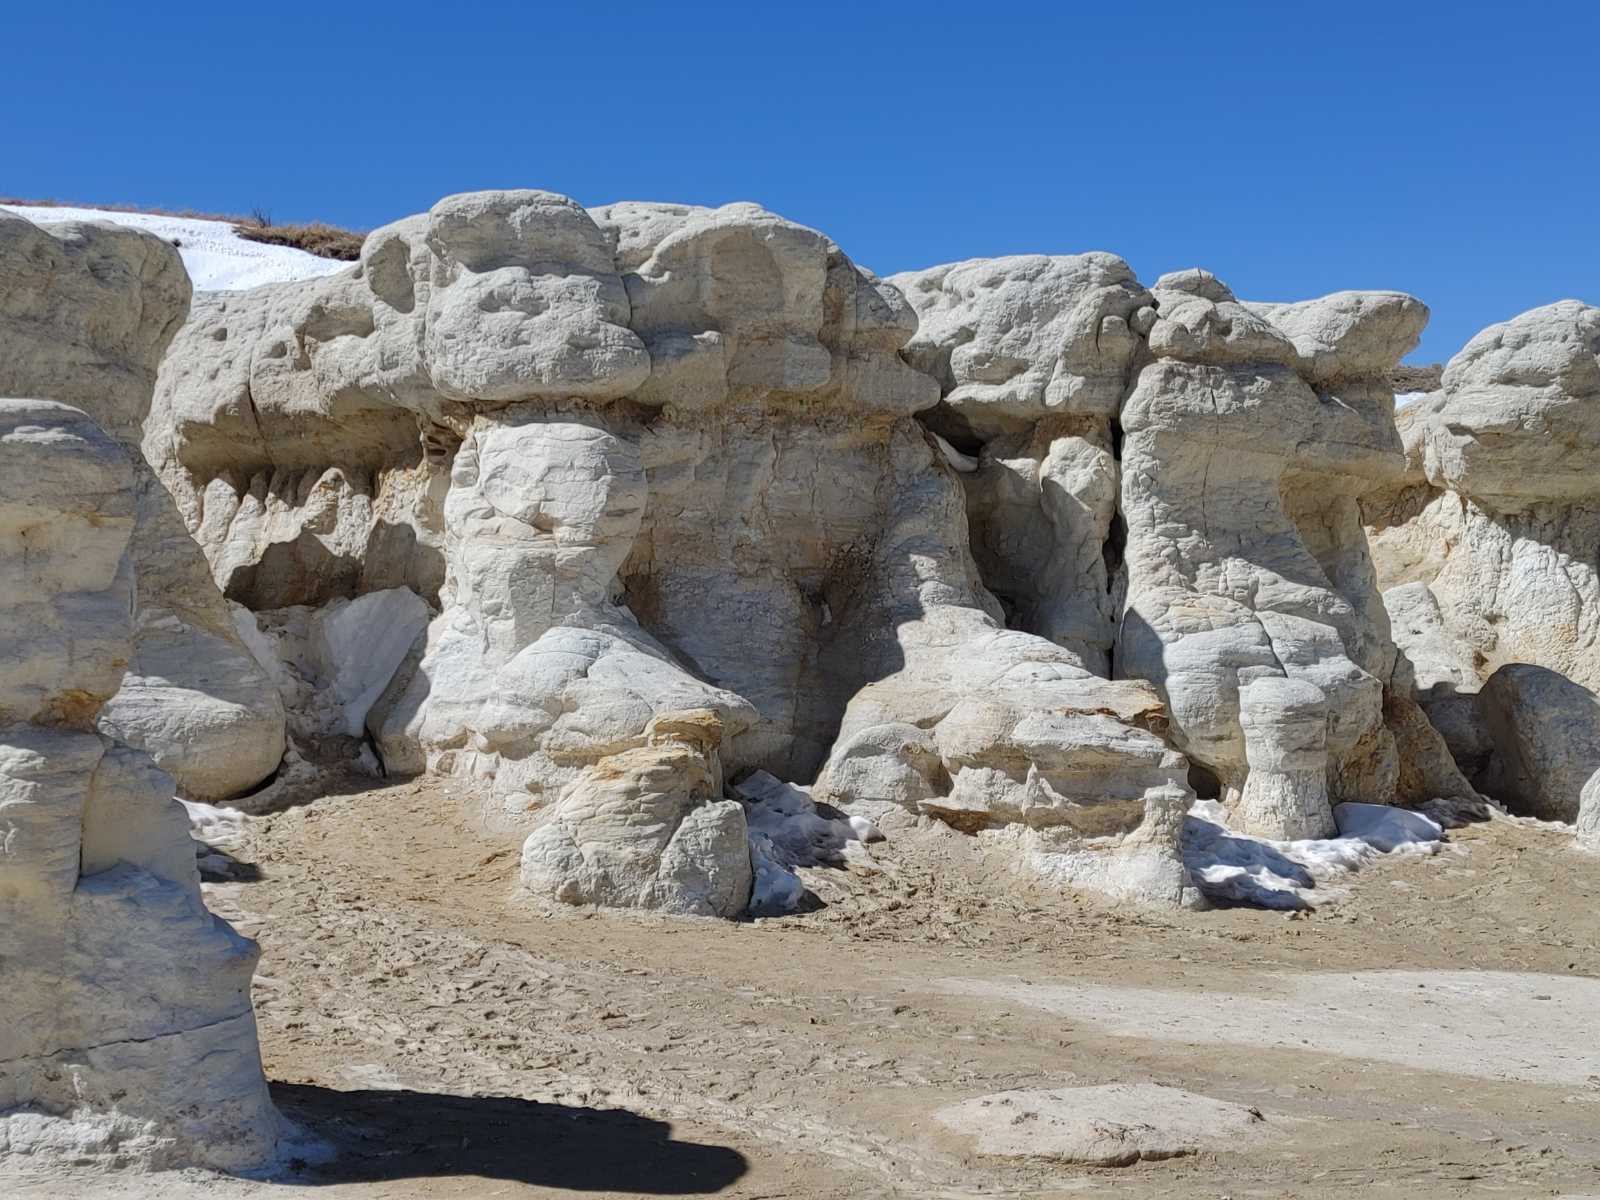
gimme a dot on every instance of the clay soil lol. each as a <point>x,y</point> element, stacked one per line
<point>434,1034</point>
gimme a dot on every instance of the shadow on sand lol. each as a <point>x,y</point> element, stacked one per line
<point>385,1136</point>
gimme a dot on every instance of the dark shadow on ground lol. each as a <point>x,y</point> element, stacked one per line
<point>218,866</point>
<point>380,1136</point>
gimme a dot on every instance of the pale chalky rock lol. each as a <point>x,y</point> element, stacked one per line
<point>698,458</point>
<point>646,828</point>
<point>533,673</point>
<point>884,773</point>
<point>1588,835</point>
<point>1106,1125</point>
<point>128,1035</point>
<point>1545,731</point>
<point>1348,335</point>
<point>86,311</point>
<point>1500,513</point>
<point>1285,796</point>
<point>1032,355</point>
<point>1438,658</point>
<point>1244,456</point>
<point>332,665</point>
<point>1014,340</point>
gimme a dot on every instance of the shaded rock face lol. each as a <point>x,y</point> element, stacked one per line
<point>675,466</point>
<point>128,1030</point>
<point>1545,730</point>
<point>1164,483</point>
<point>86,311</point>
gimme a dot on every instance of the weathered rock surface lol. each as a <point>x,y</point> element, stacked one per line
<point>1545,730</point>
<point>1106,1125</point>
<point>86,311</point>
<point>1488,548</point>
<point>897,535</point>
<point>1588,836</point>
<point>128,1033</point>
<point>1244,454</point>
<point>1499,515</point>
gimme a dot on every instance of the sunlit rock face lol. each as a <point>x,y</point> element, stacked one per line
<point>128,1034</point>
<point>1487,550</point>
<point>86,312</point>
<point>1244,453</point>
<point>1164,482</point>
<point>657,458</point>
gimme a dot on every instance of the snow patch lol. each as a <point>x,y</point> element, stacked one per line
<point>1384,827</point>
<point>1406,399</point>
<point>788,832</point>
<point>216,257</point>
<point>1237,868</point>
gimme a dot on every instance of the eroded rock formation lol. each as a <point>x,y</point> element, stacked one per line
<point>1488,547</point>
<point>86,312</point>
<point>700,554</point>
<point>999,542</point>
<point>1500,518</point>
<point>128,1034</point>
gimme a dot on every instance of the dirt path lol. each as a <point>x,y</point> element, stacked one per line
<point>1435,1034</point>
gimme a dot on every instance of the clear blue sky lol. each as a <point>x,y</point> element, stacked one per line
<point>1449,150</point>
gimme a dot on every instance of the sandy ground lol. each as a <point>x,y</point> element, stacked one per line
<point>1436,1033</point>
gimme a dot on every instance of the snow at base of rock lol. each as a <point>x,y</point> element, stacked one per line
<point>1384,827</point>
<point>786,832</point>
<point>1237,868</point>
<point>1403,399</point>
<point>216,257</point>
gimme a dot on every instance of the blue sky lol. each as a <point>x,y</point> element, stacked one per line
<point>1449,150</point>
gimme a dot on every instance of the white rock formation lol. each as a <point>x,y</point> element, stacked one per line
<point>86,311</point>
<point>1545,730</point>
<point>1500,513</point>
<point>128,1034</point>
<point>1490,544</point>
<point>1244,454</point>
<point>1588,836</point>
<point>1285,795</point>
<point>895,535</point>
<point>647,828</point>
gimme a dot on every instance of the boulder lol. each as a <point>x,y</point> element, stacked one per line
<point>1499,512</point>
<point>1588,833</point>
<point>86,312</point>
<point>646,828</point>
<point>1545,730</point>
